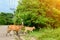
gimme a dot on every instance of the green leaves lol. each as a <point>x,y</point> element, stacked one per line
<point>6,18</point>
<point>35,12</point>
<point>30,12</point>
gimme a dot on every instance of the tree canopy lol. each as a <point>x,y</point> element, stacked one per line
<point>38,13</point>
<point>6,18</point>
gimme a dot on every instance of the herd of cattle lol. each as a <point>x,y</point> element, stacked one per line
<point>17,28</point>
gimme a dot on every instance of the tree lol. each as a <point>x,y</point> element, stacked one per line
<point>31,13</point>
<point>38,13</point>
<point>6,18</point>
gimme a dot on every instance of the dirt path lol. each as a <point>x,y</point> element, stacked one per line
<point>3,36</point>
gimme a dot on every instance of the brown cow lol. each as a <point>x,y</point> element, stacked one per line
<point>15,28</point>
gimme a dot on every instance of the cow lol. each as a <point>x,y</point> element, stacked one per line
<point>15,28</point>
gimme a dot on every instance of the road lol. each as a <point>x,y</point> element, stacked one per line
<point>3,30</point>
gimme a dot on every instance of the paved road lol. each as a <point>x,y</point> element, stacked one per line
<point>3,29</point>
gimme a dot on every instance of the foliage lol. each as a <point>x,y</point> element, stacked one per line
<point>38,13</point>
<point>30,12</point>
<point>6,18</point>
<point>46,34</point>
<point>43,34</point>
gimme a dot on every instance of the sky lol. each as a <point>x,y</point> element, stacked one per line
<point>7,5</point>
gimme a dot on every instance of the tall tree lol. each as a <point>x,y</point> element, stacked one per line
<point>36,12</point>
<point>31,12</point>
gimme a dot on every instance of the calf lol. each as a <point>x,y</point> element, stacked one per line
<point>29,29</point>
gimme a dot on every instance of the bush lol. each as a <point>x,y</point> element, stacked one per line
<point>6,18</point>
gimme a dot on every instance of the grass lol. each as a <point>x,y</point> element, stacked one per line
<point>45,34</point>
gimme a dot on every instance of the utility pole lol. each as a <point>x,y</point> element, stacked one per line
<point>12,5</point>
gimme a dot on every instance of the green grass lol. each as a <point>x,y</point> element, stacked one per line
<point>46,34</point>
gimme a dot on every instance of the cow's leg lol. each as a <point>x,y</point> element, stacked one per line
<point>8,32</point>
<point>26,31</point>
<point>18,36</point>
<point>16,32</point>
<point>31,31</point>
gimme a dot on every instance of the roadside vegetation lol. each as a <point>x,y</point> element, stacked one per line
<point>47,34</point>
<point>44,34</point>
